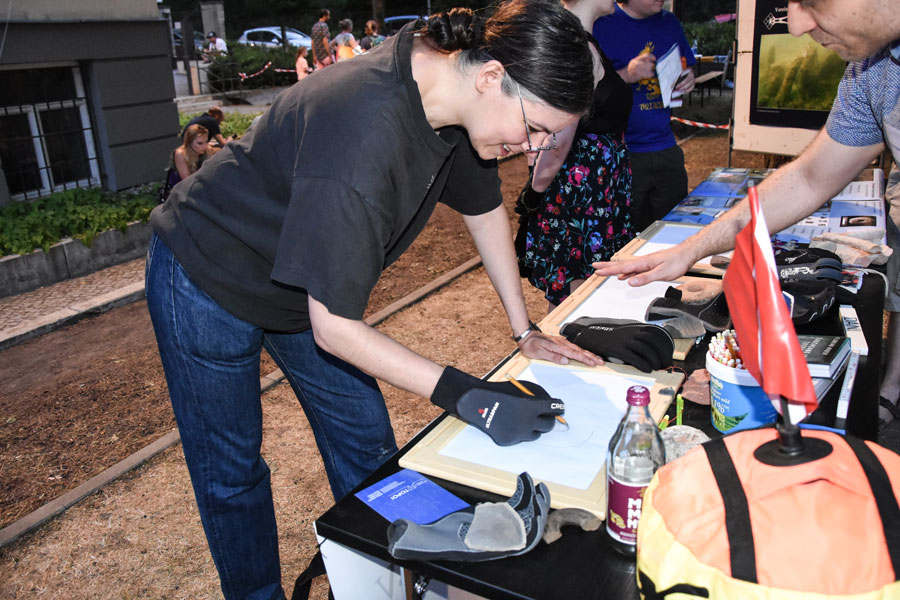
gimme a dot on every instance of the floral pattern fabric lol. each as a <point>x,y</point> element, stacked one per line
<point>585,215</point>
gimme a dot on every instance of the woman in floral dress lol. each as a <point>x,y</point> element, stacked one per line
<point>576,209</point>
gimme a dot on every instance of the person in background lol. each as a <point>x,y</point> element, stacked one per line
<point>576,208</point>
<point>302,63</point>
<point>321,46</point>
<point>186,159</point>
<point>195,149</point>
<point>211,120</point>
<point>372,37</point>
<point>863,122</point>
<point>344,43</point>
<point>281,237</point>
<point>216,47</point>
<point>634,36</point>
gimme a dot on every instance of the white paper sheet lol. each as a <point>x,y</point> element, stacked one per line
<point>615,299</point>
<point>668,71</point>
<point>595,403</point>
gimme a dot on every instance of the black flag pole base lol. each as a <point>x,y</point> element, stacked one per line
<point>791,448</point>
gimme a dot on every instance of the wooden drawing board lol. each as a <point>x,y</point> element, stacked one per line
<point>425,457</point>
<point>665,234</point>
<point>592,290</point>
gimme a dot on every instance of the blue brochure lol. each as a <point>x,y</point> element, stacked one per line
<point>410,495</point>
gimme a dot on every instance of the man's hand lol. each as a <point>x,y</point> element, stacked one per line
<point>556,349</point>
<point>686,84</point>
<point>665,265</point>
<point>642,66</point>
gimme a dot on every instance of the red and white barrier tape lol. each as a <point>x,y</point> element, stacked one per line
<point>244,76</point>
<point>696,124</point>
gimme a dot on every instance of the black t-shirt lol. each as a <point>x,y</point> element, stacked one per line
<point>295,207</point>
<point>208,121</point>
<point>612,101</point>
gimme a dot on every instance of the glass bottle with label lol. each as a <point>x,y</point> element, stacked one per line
<point>635,452</point>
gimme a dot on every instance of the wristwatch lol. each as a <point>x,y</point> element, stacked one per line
<point>531,327</point>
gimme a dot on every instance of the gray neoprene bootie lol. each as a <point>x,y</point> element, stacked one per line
<point>486,531</point>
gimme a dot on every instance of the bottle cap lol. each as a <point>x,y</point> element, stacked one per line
<point>637,395</point>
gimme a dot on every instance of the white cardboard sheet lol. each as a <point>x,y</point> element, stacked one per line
<point>595,403</point>
<point>615,299</point>
<point>670,235</point>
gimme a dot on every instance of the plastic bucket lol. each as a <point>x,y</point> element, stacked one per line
<point>736,400</point>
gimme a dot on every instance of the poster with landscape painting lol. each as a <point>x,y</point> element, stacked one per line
<point>794,79</point>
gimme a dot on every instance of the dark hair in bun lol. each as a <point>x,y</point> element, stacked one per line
<point>542,46</point>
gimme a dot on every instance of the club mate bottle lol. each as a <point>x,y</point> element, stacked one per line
<point>635,452</point>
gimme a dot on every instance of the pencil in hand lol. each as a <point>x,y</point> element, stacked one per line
<point>525,390</point>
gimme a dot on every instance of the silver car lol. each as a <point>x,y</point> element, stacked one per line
<point>270,37</point>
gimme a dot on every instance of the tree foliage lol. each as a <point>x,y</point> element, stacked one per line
<point>712,38</point>
<point>246,14</point>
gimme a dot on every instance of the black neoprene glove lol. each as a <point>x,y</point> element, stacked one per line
<point>647,347</point>
<point>499,409</point>
<point>808,264</point>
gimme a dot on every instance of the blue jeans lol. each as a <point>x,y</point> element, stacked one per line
<point>211,360</point>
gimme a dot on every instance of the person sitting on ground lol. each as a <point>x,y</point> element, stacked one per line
<point>216,47</point>
<point>186,158</point>
<point>211,120</point>
<point>195,149</point>
<point>302,64</point>
<point>344,42</point>
<point>372,37</point>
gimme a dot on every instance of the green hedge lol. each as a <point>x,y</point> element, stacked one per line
<point>83,213</point>
<point>712,38</point>
<point>224,72</point>
<point>75,213</point>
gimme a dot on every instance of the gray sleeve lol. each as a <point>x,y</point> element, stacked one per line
<point>852,121</point>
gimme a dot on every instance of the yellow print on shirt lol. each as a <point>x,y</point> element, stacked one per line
<point>651,84</point>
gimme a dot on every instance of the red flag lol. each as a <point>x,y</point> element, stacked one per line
<point>762,322</point>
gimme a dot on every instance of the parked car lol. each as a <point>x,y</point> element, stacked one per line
<point>270,37</point>
<point>199,41</point>
<point>393,24</point>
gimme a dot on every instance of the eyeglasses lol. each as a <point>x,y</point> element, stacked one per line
<point>531,148</point>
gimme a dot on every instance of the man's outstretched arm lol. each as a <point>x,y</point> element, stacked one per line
<point>791,193</point>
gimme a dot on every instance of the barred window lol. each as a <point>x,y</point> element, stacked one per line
<point>46,142</point>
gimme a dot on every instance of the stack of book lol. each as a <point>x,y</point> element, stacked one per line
<point>826,356</point>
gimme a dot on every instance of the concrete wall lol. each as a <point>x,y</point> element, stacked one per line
<point>83,10</point>
<point>212,12</point>
<point>71,258</point>
<point>127,74</point>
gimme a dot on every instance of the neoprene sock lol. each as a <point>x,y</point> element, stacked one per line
<point>486,531</point>
<point>689,319</point>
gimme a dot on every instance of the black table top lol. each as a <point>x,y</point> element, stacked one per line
<point>582,564</point>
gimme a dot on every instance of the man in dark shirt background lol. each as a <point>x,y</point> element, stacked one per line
<point>211,120</point>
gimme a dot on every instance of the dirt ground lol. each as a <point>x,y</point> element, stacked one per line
<point>75,401</point>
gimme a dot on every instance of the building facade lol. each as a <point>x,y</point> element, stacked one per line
<point>86,96</point>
